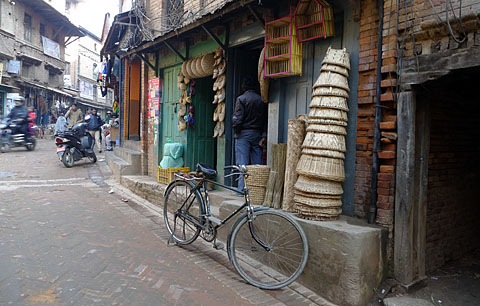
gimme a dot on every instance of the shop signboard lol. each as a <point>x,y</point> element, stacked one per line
<point>50,47</point>
<point>13,67</point>
<point>86,90</point>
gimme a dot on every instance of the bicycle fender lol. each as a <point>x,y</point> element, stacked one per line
<point>236,223</point>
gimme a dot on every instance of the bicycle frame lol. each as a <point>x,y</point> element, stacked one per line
<point>206,206</point>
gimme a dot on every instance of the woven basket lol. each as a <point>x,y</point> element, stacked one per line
<point>324,153</point>
<point>188,67</point>
<point>333,79</point>
<point>318,195</point>
<point>326,121</point>
<point>327,128</point>
<point>318,202</point>
<point>207,62</point>
<point>325,141</point>
<point>330,102</point>
<point>257,195</point>
<point>339,57</point>
<point>296,134</point>
<point>258,175</point>
<point>197,67</point>
<point>321,167</point>
<point>334,68</point>
<point>264,87</point>
<point>318,186</point>
<point>314,213</point>
<point>261,63</point>
<point>328,113</point>
<point>329,91</point>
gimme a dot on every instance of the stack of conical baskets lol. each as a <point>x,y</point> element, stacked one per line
<point>318,190</point>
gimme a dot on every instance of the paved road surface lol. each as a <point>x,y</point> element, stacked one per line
<point>65,240</point>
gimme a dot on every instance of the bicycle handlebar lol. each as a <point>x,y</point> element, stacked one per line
<point>241,168</point>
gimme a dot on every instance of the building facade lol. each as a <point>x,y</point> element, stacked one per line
<point>32,56</point>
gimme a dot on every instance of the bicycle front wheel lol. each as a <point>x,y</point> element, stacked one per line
<point>283,261</point>
<point>182,212</point>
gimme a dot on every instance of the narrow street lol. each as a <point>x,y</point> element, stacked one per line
<point>64,239</point>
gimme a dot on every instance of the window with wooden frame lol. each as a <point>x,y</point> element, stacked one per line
<point>27,27</point>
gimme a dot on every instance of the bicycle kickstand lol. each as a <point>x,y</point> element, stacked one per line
<point>218,245</point>
<point>171,241</point>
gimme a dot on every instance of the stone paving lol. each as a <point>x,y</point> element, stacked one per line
<point>64,239</point>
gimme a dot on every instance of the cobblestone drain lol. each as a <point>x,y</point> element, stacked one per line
<point>214,262</point>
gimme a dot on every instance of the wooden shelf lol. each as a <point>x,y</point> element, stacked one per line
<point>279,40</point>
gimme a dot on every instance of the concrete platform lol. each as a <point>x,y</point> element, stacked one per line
<point>347,258</point>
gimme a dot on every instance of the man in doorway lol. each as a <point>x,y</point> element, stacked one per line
<point>74,116</point>
<point>249,122</point>
<point>94,125</point>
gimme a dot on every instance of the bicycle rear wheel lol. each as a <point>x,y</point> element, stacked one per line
<point>274,268</point>
<point>182,212</point>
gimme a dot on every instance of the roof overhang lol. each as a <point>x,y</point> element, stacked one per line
<point>115,34</point>
<point>54,17</point>
<point>227,8</point>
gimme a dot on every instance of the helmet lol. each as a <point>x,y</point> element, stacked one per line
<point>19,100</point>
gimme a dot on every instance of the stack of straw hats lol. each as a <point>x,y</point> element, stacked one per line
<point>318,190</point>
<point>219,66</point>
<point>182,84</point>
<point>257,182</point>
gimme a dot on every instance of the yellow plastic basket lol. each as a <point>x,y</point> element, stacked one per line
<point>165,176</point>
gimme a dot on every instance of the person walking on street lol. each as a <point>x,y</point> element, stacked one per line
<point>249,122</point>
<point>94,125</point>
<point>74,115</point>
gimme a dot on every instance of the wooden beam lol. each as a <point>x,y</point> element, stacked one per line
<point>146,61</point>
<point>255,14</point>
<point>411,190</point>
<point>156,63</point>
<point>55,35</point>
<point>214,37</point>
<point>174,50</point>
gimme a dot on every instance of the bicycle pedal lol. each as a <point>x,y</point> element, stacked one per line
<point>215,220</point>
<point>218,246</point>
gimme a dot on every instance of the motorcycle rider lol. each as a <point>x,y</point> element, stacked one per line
<point>19,114</point>
<point>94,124</point>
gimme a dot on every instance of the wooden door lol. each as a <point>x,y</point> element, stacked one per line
<point>134,103</point>
<point>201,144</point>
<point>170,109</point>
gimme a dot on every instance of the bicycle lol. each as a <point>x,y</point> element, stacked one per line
<point>267,247</point>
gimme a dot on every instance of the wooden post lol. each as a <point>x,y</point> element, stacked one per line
<point>411,189</point>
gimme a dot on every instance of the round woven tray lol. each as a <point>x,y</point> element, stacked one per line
<point>330,102</point>
<point>258,175</point>
<point>261,63</point>
<point>188,68</point>
<point>328,113</point>
<point>321,167</point>
<point>318,202</point>
<point>327,128</point>
<point>337,57</point>
<point>326,121</point>
<point>197,67</point>
<point>207,62</point>
<point>325,141</point>
<point>185,71</point>
<point>257,195</point>
<point>324,153</point>
<point>318,186</point>
<point>329,91</point>
<point>334,68</point>
<point>333,79</point>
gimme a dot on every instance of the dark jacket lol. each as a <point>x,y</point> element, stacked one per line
<point>94,122</point>
<point>18,112</point>
<point>250,113</point>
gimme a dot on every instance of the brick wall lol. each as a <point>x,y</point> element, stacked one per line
<point>453,177</point>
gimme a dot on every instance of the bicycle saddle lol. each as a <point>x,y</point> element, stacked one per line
<point>206,170</point>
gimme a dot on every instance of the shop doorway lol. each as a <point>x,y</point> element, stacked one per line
<point>243,62</point>
<point>134,110</point>
<point>437,176</point>
<point>202,147</point>
<point>453,167</point>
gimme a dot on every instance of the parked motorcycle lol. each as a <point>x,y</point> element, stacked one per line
<point>75,144</point>
<point>10,136</point>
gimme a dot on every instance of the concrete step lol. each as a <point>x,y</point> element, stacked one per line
<point>119,166</point>
<point>132,145</point>
<point>145,187</point>
<point>130,156</point>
